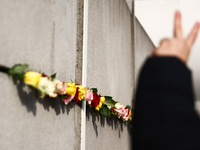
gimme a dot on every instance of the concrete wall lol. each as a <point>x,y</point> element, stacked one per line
<point>47,35</point>
<point>43,34</point>
<point>110,69</point>
<point>143,47</point>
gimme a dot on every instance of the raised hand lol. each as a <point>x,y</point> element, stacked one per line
<point>178,46</point>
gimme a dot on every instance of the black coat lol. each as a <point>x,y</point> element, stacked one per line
<point>164,116</point>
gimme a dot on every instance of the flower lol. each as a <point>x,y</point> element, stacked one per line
<point>122,112</point>
<point>101,102</point>
<point>119,111</point>
<point>71,89</point>
<point>32,78</point>
<point>68,99</point>
<point>46,86</point>
<point>81,91</point>
<point>76,96</point>
<point>130,114</point>
<point>118,105</point>
<point>96,99</point>
<point>125,114</point>
<point>60,87</point>
<point>89,96</point>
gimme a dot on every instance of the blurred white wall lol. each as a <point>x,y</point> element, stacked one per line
<point>157,17</point>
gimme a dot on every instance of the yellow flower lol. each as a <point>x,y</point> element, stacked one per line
<point>97,107</point>
<point>32,78</point>
<point>71,89</point>
<point>129,113</point>
<point>82,91</point>
<point>102,101</point>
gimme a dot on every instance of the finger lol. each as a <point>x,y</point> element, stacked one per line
<point>153,52</point>
<point>177,25</point>
<point>193,35</point>
<point>164,41</point>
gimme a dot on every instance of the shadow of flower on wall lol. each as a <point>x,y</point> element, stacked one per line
<point>26,95</point>
<point>98,119</point>
<point>30,97</point>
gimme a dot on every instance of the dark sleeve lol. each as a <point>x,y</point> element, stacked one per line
<point>164,115</point>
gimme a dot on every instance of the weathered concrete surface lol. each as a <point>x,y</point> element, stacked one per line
<point>143,47</point>
<point>110,69</point>
<point>43,34</point>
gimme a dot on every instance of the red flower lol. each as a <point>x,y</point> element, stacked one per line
<point>96,100</point>
<point>44,75</point>
<point>76,96</point>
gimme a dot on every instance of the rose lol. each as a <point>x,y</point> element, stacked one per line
<point>101,102</point>
<point>118,105</point>
<point>60,87</point>
<point>130,114</point>
<point>81,91</point>
<point>71,89</point>
<point>96,99</point>
<point>76,96</point>
<point>46,86</point>
<point>125,114</point>
<point>119,111</point>
<point>68,99</point>
<point>89,96</point>
<point>32,78</point>
<point>122,112</point>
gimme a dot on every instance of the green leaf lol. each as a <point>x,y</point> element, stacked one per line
<point>108,97</point>
<point>53,76</point>
<point>94,90</point>
<point>109,101</point>
<point>18,71</point>
<point>105,111</point>
<point>129,107</point>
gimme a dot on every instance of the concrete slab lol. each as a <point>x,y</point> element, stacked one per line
<point>110,69</point>
<point>43,34</point>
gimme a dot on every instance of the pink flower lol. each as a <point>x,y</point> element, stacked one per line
<point>121,111</point>
<point>68,99</point>
<point>60,87</point>
<point>125,114</point>
<point>89,96</point>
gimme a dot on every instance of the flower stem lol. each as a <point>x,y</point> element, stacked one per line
<point>4,69</point>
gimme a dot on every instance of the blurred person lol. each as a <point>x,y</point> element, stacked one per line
<point>164,114</point>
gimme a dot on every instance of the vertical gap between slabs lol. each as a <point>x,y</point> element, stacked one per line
<point>84,73</point>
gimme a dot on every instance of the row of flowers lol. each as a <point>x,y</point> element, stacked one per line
<point>70,91</point>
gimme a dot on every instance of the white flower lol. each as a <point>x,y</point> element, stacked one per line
<point>47,86</point>
<point>118,105</point>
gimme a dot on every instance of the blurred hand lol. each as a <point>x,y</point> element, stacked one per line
<point>178,46</point>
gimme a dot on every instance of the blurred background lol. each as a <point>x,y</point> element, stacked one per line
<point>157,18</point>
